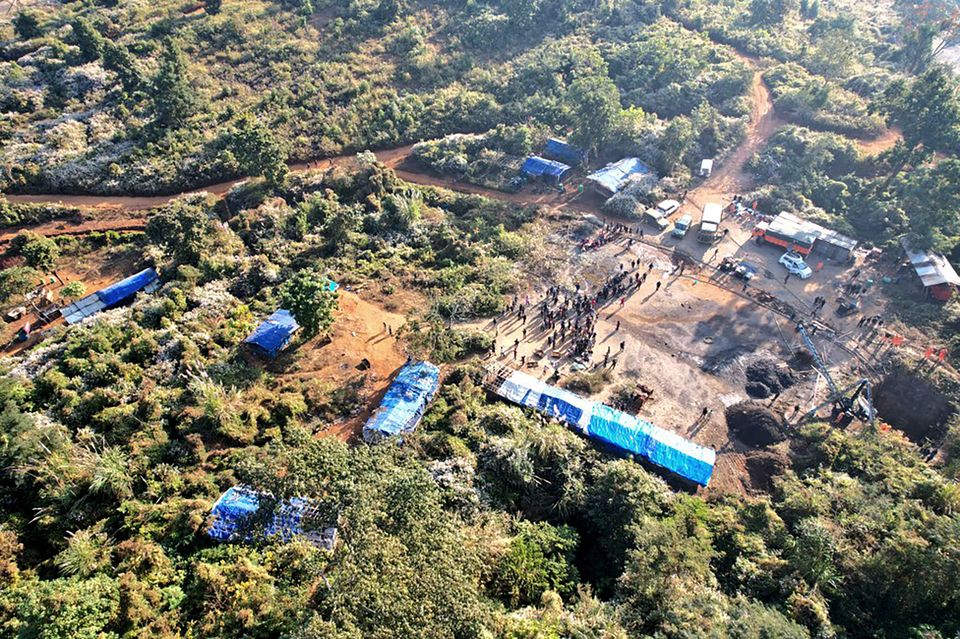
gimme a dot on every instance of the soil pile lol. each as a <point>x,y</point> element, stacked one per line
<point>766,377</point>
<point>754,425</point>
<point>765,465</point>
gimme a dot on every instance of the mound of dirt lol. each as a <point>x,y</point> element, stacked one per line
<point>758,390</point>
<point>911,404</point>
<point>770,374</point>
<point>754,425</point>
<point>764,465</point>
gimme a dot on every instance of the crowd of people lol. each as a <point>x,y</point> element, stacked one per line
<point>567,320</point>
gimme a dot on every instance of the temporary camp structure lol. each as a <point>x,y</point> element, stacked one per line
<point>805,237</point>
<point>117,294</point>
<point>536,167</point>
<point>562,152</point>
<point>604,424</point>
<point>237,516</point>
<point>612,178</point>
<point>273,334</point>
<point>404,403</point>
<point>937,275</point>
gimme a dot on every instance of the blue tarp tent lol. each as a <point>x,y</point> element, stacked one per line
<point>661,447</point>
<point>562,152</point>
<point>404,403</point>
<point>234,517</point>
<point>112,296</point>
<point>613,177</point>
<point>274,333</point>
<point>530,392</point>
<point>123,290</point>
<point>547,170</point>
<point>602,423</point>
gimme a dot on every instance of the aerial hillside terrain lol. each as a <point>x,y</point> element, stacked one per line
<point>456,319</point>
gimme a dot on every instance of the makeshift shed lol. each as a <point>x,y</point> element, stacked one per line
<point>562,152</point>
<point>610,179</point>
<point>117,294</point>
<point>605,424</point>
<point>404,403</point>
<point>236,516</point>
<point>937,275</point>
<point>273,334</point>
<point>536,167</point>
<point>530,392</point>
<point>805,237</point>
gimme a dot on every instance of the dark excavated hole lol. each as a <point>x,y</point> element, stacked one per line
<point>911,404</point>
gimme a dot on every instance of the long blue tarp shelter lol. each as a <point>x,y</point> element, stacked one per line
<point>562,152</point>
<point>605,424</point>
<point>274,333</point>
<point>112,296</point>
<point>404,403</point>
<point>234,518</point>
<point>613,177</point>
<point>547,170</point>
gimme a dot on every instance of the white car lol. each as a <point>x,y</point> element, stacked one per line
<point>795,264</point>
<point>658,219</point>
<point>668,207</point>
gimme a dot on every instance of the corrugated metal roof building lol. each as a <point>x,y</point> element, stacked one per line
<point>936,273</point>
<point>789,231</point>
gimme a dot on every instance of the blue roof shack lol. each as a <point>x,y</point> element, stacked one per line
<point>405,402</point>
<point>562,152</point>
<point>273,334</point>
<point>236,516</point>
<point>610,179</point>
<point>602,423</point>
<point>117,294</point>
<point>546,170</point>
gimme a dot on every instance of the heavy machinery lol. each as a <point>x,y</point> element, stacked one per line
<point>852,402</point>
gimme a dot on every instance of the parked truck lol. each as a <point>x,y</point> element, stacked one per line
<point>709,231</point>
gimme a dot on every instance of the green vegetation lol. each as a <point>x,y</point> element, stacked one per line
<point>117,434</point>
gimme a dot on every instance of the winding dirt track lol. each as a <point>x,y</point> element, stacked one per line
<point>128,213</point>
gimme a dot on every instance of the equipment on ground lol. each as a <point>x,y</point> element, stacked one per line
<point>853,401</point>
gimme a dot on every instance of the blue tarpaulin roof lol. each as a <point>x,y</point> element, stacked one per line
<point>560,150</point>
<point>126,288</point>
<point>614,176</point>
<point>561,404</point>
<point>233,518</point>
<point>659,446</point>
<point>536,166</point>
<point>114,295</point>
<point>600,422</point>
<point>405,402</point>
<point>274,333</point>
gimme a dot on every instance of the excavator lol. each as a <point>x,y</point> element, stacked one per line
<point>852,402</point>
